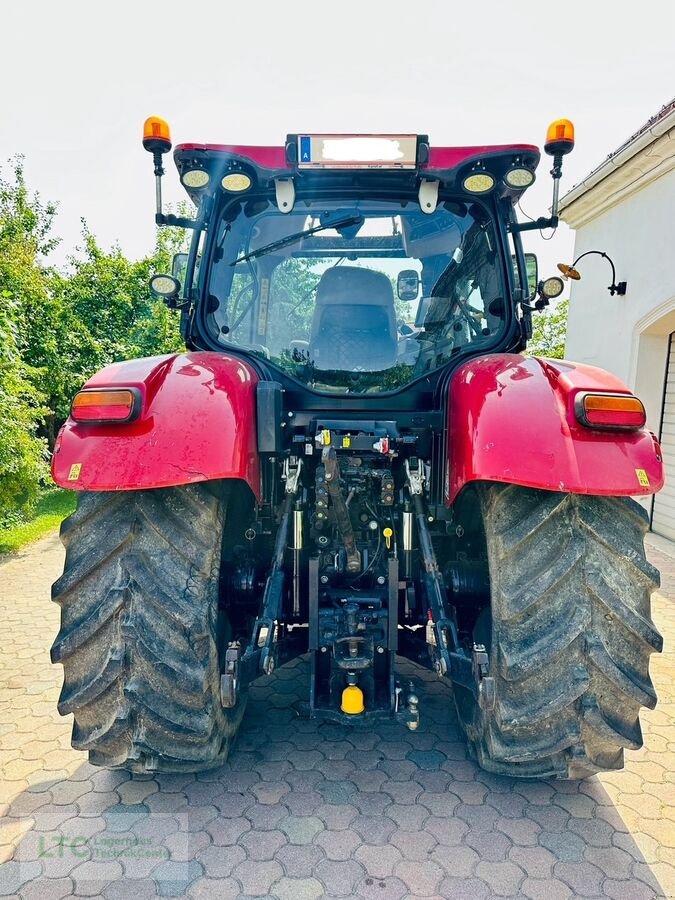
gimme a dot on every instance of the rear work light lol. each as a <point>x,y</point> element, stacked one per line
<point>610,411</point>
<point>106,405</point>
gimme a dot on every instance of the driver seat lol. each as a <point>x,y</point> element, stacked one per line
<point>354,323</point>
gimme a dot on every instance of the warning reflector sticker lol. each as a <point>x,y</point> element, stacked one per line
<point>642,477</point>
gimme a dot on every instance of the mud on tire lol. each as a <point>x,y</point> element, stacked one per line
<point>570,631</point>
<point>139,638</point>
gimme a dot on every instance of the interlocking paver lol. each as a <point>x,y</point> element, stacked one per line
<point>415,845</point>
<point>448,831</point>
<point>300,861</point>
<point>265,816</point>
<point>262,845</point>
<point>214,889</point>
<point>378,861</point>
<point>374,813</point>
<point>503,877</point>
<point>302,804</point>
<point>548,889</point>
<point>459,862</point>
<point>335,815</point>
<point>403,792</point>
<point>521,831</point>
<point>491,846</point>
<point>48,889</point>
<point>425,876</point>
<point>173,878</point>
<point>270,792</point>
<point>92,876</point>
<point>218,862</point>
<point>536,862</point>
<point>339,876</point>
<point>301,829</point>
<point>465,889</point>
<point>227,831</point>
<point>298,889</point>
<point>338,845</point>
<point>256,876</point>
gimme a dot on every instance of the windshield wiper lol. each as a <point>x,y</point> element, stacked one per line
<point>292,238</point>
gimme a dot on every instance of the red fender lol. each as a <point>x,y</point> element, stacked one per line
<point>197,423</point>
<point>511,419</point>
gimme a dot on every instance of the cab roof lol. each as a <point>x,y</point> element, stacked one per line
<point>445,164</point>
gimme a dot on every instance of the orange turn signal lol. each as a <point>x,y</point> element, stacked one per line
<point>106,405</point>
<point>156,135</point>
<point>559,137</point>
<point>610,411</point>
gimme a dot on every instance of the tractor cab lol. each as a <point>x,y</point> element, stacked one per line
<point>354,265</point>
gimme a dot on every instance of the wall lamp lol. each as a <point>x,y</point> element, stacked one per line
<point>571,272</point>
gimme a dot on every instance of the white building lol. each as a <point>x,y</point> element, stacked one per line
<point>626,207</point>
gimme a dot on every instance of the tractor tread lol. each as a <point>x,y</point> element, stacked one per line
<point>138,600</point>
<point>571,639</point>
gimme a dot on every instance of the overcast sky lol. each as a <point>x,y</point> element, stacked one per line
<point>79,78</point>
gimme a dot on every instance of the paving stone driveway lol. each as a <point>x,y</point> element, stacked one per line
<point>308,810</point>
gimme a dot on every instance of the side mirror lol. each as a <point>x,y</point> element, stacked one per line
<point>532,270</point>
<point>179,266</point>
<point>405,329</point>
<point>408,285</point>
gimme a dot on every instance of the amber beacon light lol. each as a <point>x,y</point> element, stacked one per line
<point>559,138</point>
<point>559,142</point>
<point>157,140</point>
<point>156,135</point>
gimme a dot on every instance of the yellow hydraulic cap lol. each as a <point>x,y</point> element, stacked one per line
<point>352,700</point>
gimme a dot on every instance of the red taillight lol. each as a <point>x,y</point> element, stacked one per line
<point>106,405</point>
<point>610,411</point>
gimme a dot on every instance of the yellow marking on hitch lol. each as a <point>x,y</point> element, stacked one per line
<point>74,473</point>
<point>642,477</point>
<point>352,700</point>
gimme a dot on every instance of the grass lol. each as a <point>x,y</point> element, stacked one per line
<point>52,507</point>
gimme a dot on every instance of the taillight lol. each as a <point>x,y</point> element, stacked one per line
<point>610,411</point>
<point>106,405</point>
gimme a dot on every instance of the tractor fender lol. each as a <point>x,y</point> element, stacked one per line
<point>197,422</point>
<point>512,419</point>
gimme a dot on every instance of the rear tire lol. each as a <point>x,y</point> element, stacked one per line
<point>140,626</point>
<point>569,633</point>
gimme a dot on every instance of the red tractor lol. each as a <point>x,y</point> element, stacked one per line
<point>355,458</point>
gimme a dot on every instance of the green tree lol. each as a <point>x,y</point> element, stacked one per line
<point>24,230</point>
<point>58,327</point>
<point>102,312</point>
<point>549,329</point>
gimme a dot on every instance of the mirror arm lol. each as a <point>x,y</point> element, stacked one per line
<point>181,222</point>
<point>177,221</point>
<point>538,306</point>
<point>537,225</point>
<point>176,303</point>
